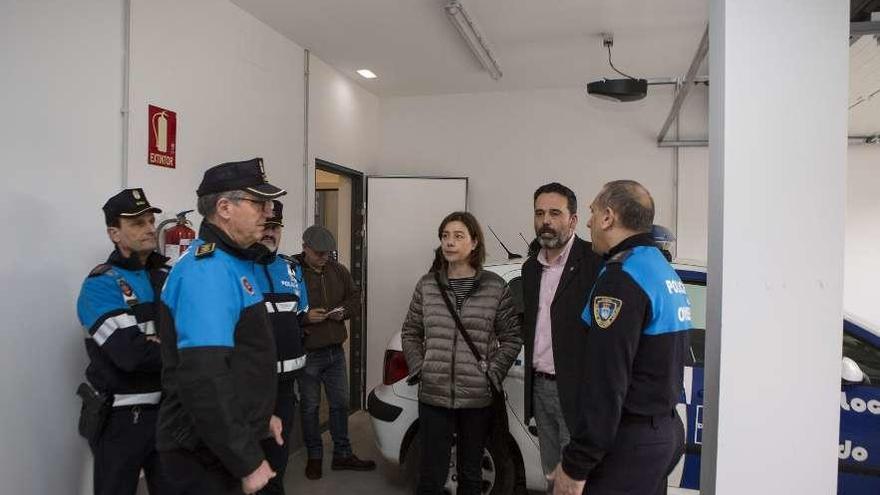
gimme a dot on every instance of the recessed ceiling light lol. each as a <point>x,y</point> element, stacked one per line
<point>367,74</point>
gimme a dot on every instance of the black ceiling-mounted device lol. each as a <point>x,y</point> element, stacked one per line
<point>628,89</point>
<point>619,89</point>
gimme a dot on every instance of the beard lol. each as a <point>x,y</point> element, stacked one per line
<point>554,241</point>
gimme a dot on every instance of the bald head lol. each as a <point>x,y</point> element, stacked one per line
<point>630,201</point>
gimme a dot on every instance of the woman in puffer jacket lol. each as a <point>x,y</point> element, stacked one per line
<point>455,393</point>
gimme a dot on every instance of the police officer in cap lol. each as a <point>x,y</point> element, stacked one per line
<point>117,309</point>
<point>219,357</point>
<point>627,437</point>
<point>281,279</point>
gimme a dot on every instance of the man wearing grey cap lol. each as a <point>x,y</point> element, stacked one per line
<point>218,352</point>
<point>332,299</point>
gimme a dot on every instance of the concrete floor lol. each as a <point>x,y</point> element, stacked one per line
<point>386,479</point>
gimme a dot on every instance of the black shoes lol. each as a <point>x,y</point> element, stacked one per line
<point>313,469</point>
<point>350,463</point>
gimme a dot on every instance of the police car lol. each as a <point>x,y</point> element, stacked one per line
<point>515,465</point>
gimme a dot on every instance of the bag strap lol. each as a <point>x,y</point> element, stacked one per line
<point>458,324</point>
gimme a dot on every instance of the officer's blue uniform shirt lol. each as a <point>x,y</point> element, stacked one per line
<point>286,278</point>
<point>206,313</point>
<point>638,316</point>
<point>669,302</point>
<point>115,292</point>
<point>286,299</point>
<point>218,352</point>
<point>117,310</point>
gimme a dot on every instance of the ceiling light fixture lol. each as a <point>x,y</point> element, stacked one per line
<point>629,89</point>
<point>468,30</point>
<point>367,74</point>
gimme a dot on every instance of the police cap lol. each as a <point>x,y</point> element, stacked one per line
<point>247,176</point>
<point>128,203</point>
<point>277,214</point>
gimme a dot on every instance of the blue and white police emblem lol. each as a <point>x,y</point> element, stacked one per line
<point>605,310</point>
<point>127,292</point>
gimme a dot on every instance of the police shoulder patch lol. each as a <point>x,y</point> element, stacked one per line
<point>100,269</point>
<point>247,286</point>
<point>206,249</point>
<point>606,310</point>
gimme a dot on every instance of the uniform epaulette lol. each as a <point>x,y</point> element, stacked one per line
<point>205,250</point>
<point>620,257</point>
<point>100,269</point>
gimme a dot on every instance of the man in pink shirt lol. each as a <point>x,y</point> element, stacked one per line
<point>557,280</point>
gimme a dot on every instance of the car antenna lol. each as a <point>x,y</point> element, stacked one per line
<point>510,255</point>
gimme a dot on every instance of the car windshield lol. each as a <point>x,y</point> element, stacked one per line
<point>697,295</point>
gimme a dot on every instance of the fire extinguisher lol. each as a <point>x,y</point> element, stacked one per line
<point>176,240</point>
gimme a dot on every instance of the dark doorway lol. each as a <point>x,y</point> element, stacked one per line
<point>340,207</point>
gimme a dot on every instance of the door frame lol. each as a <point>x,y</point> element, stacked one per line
<point>358,323</point>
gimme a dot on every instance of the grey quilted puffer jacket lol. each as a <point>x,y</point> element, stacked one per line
<point>450,376</point>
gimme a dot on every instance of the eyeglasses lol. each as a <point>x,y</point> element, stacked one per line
<point>263,204</point>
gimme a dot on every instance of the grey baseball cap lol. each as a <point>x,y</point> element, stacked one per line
<point>319,239</point>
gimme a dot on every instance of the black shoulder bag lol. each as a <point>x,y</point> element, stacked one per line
<point>499,429</point>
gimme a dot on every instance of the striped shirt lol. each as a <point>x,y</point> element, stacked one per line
<point>461,287</point>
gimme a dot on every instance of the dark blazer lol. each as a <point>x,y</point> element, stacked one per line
<point>569,332</point>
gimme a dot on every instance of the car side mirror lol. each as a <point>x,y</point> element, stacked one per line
<point>850,372</point>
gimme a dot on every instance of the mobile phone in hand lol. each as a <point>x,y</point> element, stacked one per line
<point>336,310</point>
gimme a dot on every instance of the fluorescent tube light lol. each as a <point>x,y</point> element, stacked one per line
<point>367,74</point>
<point>465,25</point>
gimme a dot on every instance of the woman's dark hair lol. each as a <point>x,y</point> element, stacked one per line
<point>477,256</point>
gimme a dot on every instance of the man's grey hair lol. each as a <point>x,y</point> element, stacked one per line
<point>632,203</point>
<point>207,204</point>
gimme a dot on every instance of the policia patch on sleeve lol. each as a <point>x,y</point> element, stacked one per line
<point>205,250</point>
<point>605,310</point>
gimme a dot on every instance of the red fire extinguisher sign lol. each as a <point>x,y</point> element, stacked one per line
<point>162,130</point>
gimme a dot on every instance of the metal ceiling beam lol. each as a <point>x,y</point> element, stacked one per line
<point>859,29</point>
<point>862,28</point>
<point>686,85</point>
<point>702,143</point>
<point>856,30</point>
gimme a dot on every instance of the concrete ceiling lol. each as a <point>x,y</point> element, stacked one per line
<point>415,50</point>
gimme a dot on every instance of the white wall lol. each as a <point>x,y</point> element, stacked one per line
<point>862,257</point>
<point>511,143</point>
<point>343,121</point>
<point>61,137</point>
<point>237,88</point>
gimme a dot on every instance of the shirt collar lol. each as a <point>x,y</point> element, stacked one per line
<point>211,233</point>
<point>154,261</point>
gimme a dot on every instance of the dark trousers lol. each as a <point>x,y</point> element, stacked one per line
<point>325,366</point>
<point>437,425</point>
<point>198,473</point>
<point>127,445</point>
<point>277,455</point>
<point>644,453</point>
